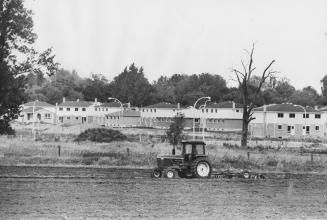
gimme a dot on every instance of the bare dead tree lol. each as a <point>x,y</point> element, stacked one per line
<point>243,79</point>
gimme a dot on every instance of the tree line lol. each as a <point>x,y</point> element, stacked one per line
<point>27,74</point>
<point>132,86</point>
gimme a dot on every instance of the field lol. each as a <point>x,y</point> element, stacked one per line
<point>54,177</point>
<point>93,193</point>
<point>57,149</point>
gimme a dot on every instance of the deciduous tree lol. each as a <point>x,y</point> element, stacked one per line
<point>17,57</point>
<point>175,131</point>
<point>250,92</point>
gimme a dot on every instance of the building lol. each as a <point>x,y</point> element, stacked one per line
<point>287,120</point>
<point>159,115</point>
<point>125,118</point>
<point>75,112</point>
<point>223,116</point>
<point>37,111</point>
<point>212,116</point>
<point>100,110</point>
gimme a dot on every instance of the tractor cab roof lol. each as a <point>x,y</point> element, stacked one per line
<point>194,142</point>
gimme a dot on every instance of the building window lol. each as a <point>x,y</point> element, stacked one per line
<point>317,115</point>
<point>83,109</point>
<point>279,127</point>
<point>280,115</point>
<point>96,109</point>
<point>68,117</point>
<point>150,110</point>
<point>106,109</point>
<point>76,118</point>
<point>47,116</point>
<point>237,110</point>
<point>202,110</point>
<point>211,110</point>
<point>216,110</point>
<point>305,115</point>
<point>207,110</point>
<point>292,115</point>
<point>60,109</point>
<point>317,128</point>
<point>68,109</point>
<point>196,120</point>
<point>155,110</point>
<point>288,129</point>
<point>76,109</point>
<point>142,110</point>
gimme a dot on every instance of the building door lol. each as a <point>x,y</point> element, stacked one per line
<point>29,116</point>
<point>303,130</point>
<point>293,130</point>
<point>307,129</point>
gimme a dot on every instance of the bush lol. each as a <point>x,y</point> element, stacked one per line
<point>101,135</point>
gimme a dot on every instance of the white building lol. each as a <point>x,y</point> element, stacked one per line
<point>224,116</point>
<point>75,112</point>
<point>287,120</point>
<point>37,111</point>
<point>159,115</point>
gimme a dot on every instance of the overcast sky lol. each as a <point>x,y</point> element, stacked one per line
<point>185,36</point>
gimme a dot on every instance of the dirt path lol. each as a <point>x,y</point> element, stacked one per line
<point>75,193</point>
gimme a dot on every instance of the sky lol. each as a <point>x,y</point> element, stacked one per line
<point>185,36</point>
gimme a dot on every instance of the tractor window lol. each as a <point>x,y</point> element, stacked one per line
<point>188,149</point>
<point>199,150</point>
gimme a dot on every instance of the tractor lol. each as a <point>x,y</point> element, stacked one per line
<point>192,162</point>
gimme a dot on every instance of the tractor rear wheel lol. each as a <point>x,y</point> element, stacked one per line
<point>201,168</point>
<point>156,173</point>
<point>170,173</point>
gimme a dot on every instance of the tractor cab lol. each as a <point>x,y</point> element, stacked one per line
<point>192,150</point>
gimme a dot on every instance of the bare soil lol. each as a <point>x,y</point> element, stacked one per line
<point>90,193</point>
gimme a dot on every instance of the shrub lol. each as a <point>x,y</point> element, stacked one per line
<point>101,135</point>
<point>231,146</point>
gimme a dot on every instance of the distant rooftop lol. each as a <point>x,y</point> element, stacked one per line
<point>126,113</point>
<point>38,103</point>
<point>110,104</point>
<point>30,109</point>
<point>228,104</point>
<point>162,105</point>
<point>76,104</point>
<point>285,107</point>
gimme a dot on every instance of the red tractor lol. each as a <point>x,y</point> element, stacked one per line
<point>192,162</point>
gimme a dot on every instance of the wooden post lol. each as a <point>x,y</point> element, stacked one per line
<point>248,153</point>
<point>311,157</point>
<point>59,150</point>
<point>127,152</point>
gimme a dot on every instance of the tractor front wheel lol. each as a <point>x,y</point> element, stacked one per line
<point>170,173</point>
<point>201,168</point>
<point>156,173</point>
